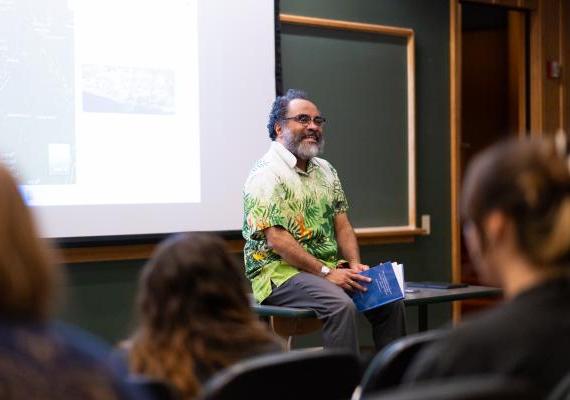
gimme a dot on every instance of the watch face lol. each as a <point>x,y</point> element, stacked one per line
<point>325,270</point>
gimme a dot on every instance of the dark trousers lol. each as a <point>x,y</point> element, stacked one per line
<point>337,311</point>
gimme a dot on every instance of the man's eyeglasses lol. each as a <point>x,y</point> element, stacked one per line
<point>306,119</point>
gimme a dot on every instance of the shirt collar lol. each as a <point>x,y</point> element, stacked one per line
<point>290,158</point>
<point>285,154</point>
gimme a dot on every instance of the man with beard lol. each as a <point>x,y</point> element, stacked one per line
<point>295,223</point>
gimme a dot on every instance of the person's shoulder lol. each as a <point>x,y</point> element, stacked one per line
<point>62,338</point>
<point>260,170</point>
<point>321,162</point>
<point>266,163</point>
<point>103,363</point>
<point>261,166</point>
<point>324,164</point>
<point>479,333</point>
<point>502,339</point>
<point>70,358</point>
<point>501,319</point>
<point>447,357</point>
<point>471,347</point>
<point>268,171</point>
<point>263,173</point>
<point>81,341</point>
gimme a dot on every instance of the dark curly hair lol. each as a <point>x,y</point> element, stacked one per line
<point>279,109</point>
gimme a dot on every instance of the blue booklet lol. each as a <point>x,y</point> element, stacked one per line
<point>387,286</point>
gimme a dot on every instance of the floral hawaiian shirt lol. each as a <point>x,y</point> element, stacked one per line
<point>277,193</point>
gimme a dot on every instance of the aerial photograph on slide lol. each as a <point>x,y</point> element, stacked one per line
<point>117,89</point>
<point>37,90</point>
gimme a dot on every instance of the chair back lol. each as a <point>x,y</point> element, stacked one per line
<point>562,389</point>
<point>152,389</point>
<point>465,388</point>
<point>388,367</point>
<point>299,375</point>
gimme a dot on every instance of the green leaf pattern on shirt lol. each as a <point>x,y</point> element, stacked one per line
<point>303,204</point>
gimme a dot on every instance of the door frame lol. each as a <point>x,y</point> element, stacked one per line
<point>547,97</point>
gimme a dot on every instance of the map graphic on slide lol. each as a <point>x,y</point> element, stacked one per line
<point>37,57</point>
<point>115,89</point>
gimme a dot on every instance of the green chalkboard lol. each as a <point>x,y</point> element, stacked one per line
<point>359,81</point>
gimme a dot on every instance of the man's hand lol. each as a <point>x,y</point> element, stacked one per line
<point>358,267</point>
<point>347,279</point>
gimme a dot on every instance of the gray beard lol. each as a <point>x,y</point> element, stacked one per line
<point>303,151</point>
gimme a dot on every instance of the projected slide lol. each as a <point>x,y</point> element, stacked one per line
<point>99,100</point>
<point>37,89</point>
<point>128,117</point>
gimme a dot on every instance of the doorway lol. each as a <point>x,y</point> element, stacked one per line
<point>492,46</point>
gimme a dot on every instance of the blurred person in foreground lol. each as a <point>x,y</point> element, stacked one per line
<point>194,315</point>
<point>38,357</point>
<point>516,211</point>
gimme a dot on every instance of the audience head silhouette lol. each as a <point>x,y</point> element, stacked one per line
<point>194,314</point>
<point>516,207</point>
<point>39,358</point>
<point>29,280</point>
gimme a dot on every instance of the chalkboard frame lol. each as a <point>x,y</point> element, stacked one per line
<point>410,229</point>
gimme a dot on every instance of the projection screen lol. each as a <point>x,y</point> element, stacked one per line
<point>129,117</point>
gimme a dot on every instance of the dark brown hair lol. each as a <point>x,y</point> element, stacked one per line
<point>30,282</point>
<point>530,182</point>
<point>194,313</point>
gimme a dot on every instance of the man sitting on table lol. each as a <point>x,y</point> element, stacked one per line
<point>295,223</point>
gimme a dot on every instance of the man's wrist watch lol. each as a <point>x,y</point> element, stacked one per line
<point>324,271</point>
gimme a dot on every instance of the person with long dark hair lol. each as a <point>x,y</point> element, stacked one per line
<point>194,314</point>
